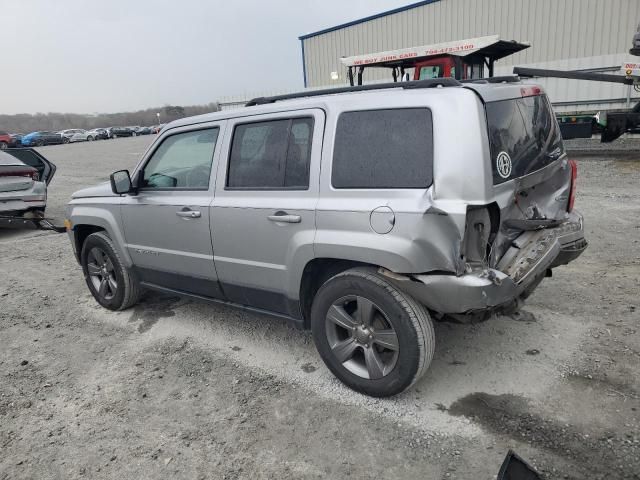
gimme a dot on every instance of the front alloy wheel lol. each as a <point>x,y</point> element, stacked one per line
<point>109,281</point>
<point>101,273</point>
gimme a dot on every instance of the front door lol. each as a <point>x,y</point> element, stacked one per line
<point>166,224</point>
<point>263,215</point>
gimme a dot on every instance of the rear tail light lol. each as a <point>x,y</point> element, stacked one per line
<point>32,174</point>
<point>574,177</point>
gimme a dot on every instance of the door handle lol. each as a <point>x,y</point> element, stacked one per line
<point>285,218</point>
<point>189,213</point>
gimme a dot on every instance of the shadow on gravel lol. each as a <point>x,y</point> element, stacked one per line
<point>152,308</point>
<point>511,415</point>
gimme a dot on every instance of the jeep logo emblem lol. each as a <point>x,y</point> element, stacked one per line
<point>503,164</point>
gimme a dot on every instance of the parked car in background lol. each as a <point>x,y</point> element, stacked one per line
<point>39,139</point>
<point>121,132</point>
<point>5,140</point>
<point>24,176</point>
<point>98,134</point>
<point>68,134</point>
<point>143,131</point>
<point>16,140</point>
<point>447,226</point>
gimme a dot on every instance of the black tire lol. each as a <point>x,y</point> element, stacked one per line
<point>127,291</point>
<point>409,320</point>
<point>40,143</point>
<point>89,138</point>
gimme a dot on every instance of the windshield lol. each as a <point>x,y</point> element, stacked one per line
<point>524,136</point>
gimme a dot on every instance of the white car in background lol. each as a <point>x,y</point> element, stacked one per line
<point>75,135</point>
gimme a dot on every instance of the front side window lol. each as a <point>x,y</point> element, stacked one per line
<point>274,154</point>
<point>383,149</point>
<point>182,160</point>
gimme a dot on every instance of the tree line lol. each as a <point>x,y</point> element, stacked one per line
<point>26,122</point>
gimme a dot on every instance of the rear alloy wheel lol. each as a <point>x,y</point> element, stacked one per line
<point>90,138</point>
<point>373,337</point>
<point>65,140</point>
<point>3,145</point>
<point>133,134</point>
<point>109,281</point>
<point>39,143</point>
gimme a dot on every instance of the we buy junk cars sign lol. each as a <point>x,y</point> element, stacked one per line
<point>459,47</point>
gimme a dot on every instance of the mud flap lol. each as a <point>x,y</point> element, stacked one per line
<point>515,468</point>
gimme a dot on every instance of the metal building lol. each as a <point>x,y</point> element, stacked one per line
<point>591,35</point>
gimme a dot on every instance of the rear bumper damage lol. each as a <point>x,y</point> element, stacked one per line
<point>519,271</point>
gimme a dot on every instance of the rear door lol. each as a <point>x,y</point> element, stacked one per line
<point>166,224</point>
<point>45,168</point>
<point>263,215</point>
<point>529,165</point>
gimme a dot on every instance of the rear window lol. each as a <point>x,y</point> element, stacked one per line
<point>28,157</point>
<point>524,136</point>
<point>383,149</point>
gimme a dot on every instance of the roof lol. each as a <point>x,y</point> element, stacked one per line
<point>491,46</point>
<point>490,89</point>
<point>367,19</point>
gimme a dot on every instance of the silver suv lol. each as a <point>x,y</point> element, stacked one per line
<point>361,213</point>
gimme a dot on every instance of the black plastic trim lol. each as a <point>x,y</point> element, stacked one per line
<point>429,83</point>
<point>295,322</point>
<point>198,286</point>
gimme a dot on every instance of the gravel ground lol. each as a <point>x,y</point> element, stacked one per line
<point>175,388</point>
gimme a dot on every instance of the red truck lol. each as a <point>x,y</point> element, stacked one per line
<point>5,140</point>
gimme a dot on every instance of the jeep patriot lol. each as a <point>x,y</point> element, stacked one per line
<point>361,213</point>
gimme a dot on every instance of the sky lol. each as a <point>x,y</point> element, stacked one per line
<point>79,56</point>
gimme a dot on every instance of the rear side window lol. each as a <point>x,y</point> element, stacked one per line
<point>383,149</point>
<point>524,136</point>
<point>271,155</point>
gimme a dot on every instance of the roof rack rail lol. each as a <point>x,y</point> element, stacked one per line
<point>429,83</point>
<point>504,78</point>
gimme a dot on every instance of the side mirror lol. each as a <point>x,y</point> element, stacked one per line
<point>121,182</point>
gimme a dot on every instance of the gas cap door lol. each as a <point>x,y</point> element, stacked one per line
<point>382,220</point>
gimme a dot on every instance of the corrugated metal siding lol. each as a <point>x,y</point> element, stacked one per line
<point>557,30</point>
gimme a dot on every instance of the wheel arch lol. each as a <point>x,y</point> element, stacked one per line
<point>315,273</point>
<point>89,219</point>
